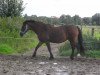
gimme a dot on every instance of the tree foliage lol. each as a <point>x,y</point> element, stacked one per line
<point>67,19</point>
<point>96,19</point>
<point>10,8</point>
<point>87,20</point>
<point>77,20</point>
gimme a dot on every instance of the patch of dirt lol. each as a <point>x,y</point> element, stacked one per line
<point>41,65</point>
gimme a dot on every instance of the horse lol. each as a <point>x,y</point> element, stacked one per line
<point>47,34</point>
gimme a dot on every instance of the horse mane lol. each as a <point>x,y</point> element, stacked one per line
<point>29,21</point>
<point>38,22</point>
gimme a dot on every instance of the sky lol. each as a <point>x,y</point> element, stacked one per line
<point>83,8</point>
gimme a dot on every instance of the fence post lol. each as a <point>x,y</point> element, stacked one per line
<point>92,32</point>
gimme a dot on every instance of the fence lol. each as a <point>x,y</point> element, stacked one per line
<point>92,45</point>
<point>91,35</point>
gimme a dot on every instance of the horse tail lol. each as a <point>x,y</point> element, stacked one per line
<point>80,41</point>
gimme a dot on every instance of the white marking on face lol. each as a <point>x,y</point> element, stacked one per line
<point>26,28</point>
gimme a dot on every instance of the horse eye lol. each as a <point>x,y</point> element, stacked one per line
<point>24,27</point>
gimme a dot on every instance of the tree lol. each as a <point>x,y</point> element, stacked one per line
<point>10,8</point>
<point>54,20</point>
<point>87,20</point>
<point>77,20</point>
<point>65,19</point>
<point>68,19</point>
<point>96,19</point>
<point>62,19</point>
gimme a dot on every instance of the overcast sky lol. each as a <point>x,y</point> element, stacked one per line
<point>83,8</point>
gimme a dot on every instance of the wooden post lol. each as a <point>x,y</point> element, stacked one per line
<point>92,32</point>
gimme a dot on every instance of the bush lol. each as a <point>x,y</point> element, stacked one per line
<point>9,35</point>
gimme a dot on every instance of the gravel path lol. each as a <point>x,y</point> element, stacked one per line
<point>41,65</point>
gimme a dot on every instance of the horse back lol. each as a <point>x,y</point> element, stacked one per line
<point>57,34</point>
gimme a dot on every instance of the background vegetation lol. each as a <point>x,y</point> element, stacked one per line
<point>91,39</point>
<point>11,20</point>
<point>67,19</point>
<point>10,40</point>
<point>11,8</point>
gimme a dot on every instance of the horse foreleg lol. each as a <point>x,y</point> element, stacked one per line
<point>72,54</point>
<point>39,44</point>
<point>49,49</point>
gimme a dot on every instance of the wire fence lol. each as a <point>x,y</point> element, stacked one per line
<point>92,45</point>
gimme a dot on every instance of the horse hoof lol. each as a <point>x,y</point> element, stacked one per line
<point>51,58</point>
<point>71,58</point>
<point>33,56</point>
<point>82,54</point>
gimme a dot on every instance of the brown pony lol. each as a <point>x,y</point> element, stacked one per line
<point>47,33</point>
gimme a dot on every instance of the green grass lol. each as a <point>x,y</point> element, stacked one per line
<point>6,49</point>
<point>93,53</point>
<point>89,53</point>
<point>19,45</point>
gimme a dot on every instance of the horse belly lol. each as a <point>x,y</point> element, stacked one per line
<point>58,38</point>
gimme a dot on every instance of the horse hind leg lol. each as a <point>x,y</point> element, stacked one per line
<point>73,45</point>
<point>39,44</point>
<point>78,50</point>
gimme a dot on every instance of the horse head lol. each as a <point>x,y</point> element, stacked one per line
<point>24,29</point>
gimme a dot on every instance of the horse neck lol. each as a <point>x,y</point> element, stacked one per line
<point>36,27</point>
